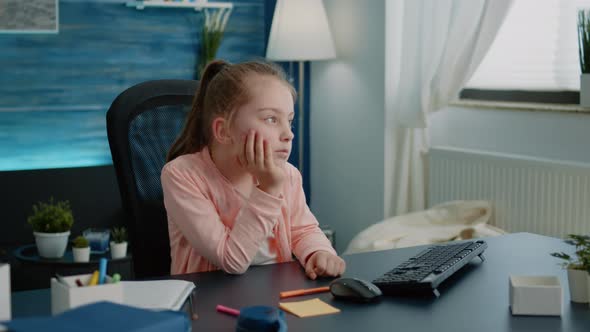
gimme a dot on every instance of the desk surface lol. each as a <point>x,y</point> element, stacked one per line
<point>474,299</point>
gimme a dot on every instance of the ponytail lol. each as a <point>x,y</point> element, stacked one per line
<point>195,136</point>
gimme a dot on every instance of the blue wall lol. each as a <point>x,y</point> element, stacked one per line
<point>56,88</point>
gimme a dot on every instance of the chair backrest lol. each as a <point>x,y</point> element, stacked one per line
<point>142,124</point>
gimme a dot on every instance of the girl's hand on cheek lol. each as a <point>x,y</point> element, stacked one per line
<point>257,158</point>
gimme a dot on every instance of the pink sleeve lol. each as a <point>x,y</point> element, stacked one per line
<point>196,216</point>
<point>306,235</point>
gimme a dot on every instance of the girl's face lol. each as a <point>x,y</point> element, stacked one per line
<point>269,113</point>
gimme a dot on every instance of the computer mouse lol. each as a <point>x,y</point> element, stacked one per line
<point>354,289</point>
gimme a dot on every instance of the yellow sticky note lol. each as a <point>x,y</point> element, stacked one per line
<point>308,308</point>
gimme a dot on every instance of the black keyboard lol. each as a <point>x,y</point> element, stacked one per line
<point>427,270</point>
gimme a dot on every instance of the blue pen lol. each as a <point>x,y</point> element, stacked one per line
<point>102,270</point>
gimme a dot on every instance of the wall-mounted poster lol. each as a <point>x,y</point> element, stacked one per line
<point>29,16</point>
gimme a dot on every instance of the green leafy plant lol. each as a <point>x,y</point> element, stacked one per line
<point>51,217</point>
<point>119,234</point>
<point>581,260</point>
<point>211,35</point>
<point>584,39</point>
<point>80,242</point>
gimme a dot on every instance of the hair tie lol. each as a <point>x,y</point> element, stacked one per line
<point>220,66</point>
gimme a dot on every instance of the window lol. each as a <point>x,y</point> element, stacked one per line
<point>534,56</point>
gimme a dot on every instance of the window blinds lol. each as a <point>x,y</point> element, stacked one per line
<point>535,49</point>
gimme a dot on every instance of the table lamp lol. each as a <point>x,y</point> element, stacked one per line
<point>300,32</point>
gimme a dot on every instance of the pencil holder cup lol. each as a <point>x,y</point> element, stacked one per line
<point>261,318</point>
<point>66,294</point>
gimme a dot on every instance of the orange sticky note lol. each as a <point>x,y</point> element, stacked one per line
<point>309,308</point>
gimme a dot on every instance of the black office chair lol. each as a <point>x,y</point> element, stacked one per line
<point>142,124</point>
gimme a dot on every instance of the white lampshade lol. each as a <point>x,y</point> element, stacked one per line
<point>300,32</point>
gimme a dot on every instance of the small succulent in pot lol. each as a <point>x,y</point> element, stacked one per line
<point>81,242</point>
<point>118,242</point>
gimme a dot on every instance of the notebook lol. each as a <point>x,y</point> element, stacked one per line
<point>157,294</point>
<point>105,316</point>
<point>153,295</point>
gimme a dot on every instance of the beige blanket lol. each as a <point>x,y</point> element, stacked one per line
<point>456,220</point>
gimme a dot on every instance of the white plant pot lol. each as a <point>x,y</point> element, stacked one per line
<point>51,245</point>
<point>578,284</point>
<point>81,255</point>
<point>118,250</point>
<point>585,90</point>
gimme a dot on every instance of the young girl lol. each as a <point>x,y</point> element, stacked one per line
<point>232,198</point>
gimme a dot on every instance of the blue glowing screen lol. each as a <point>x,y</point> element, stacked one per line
<point>53,139</point>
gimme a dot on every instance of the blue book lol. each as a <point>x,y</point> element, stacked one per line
<point>105,316</point>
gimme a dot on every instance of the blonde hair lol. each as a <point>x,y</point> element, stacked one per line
<point>221,91</point>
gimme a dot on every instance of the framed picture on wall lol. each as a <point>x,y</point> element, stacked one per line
<point>29,16</point>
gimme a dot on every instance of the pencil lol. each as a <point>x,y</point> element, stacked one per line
<point>193,306</point>
<point>102,270</point>
<point>227,310</point>
<point>299,292</point>
<point>94,279</point>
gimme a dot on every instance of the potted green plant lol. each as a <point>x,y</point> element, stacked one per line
<point>118,242</point>
<point>577,267</point>
<point>211,35</point>
<point>51,222</point>
<point>584,52</point>
<point>81,249</point>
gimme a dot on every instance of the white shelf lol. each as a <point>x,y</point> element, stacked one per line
<point>197,5</point>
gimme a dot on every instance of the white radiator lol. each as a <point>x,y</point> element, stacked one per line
<point>540,196</point>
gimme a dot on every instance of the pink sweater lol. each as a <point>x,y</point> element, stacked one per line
<point>213,226</point>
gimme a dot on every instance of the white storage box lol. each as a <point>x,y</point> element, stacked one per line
<point>64,297</point>
<point>535,295</point>
<point>5,312</point>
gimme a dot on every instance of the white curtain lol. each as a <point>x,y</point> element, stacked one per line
<point>432,48</point>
